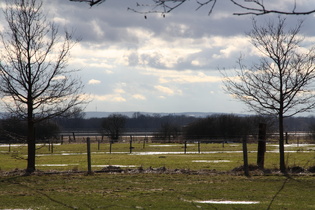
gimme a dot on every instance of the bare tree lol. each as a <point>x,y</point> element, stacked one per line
<point>168,130</point>
<point>35,83</point>
<point>280,84</point>
<point>253,7</point>
<point>114,125</point>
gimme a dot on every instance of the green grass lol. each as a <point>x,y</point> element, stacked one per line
<point>155,191</point>
<point>149,190</point>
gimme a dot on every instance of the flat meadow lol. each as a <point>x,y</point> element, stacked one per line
<point>155,176</point>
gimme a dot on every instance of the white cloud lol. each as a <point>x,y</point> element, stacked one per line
<point>60,77</point>
<point>97,56</point>
<point>139,97</point>
<point>167,90</point>
<point>60,20</point>
<point>97,29</point>
<point>183,77</point>
<point>109,97</point>
<point>119,90</point>
<point>108,72</point>
<point>94,82</point>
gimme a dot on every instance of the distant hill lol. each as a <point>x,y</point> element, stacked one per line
<point>130,114</point>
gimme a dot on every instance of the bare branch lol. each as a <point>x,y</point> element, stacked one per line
<point>251,7</point>
<point>91,2</point>
<point>258,7</point>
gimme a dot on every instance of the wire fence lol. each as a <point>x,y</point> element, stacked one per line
<point>80,137</point>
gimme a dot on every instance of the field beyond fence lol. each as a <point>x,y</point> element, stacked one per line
<point>194,155</point>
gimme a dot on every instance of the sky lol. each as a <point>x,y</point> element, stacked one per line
<point>157,64</point>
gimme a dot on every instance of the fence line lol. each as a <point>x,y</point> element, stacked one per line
<point>290,137</point>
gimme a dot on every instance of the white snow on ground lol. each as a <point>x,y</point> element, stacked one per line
<point>121,166</point>
<point>180,153</point>
<point>169,145</point>
<point>169,153</point>
<point>61,165</point>
<point>211,161</point>
<point>24,145</point>
<point>227,202</point>
<point>293,145</point>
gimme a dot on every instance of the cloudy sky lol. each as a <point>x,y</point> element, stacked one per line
<point>129,63</point>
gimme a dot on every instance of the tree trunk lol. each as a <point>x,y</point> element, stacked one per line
<point>31,147</point>
<point>31,144</point>
<point>281,144</point>
<point>261,145</point>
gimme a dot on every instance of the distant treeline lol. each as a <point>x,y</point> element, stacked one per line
<point>227,126</point>
<point>137,123</point>
<point>165,126</point>
<point>153,122</point>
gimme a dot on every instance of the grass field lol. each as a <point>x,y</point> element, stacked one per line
<point>220,190</point>
<point>213,156</point>
<point>156,191</point>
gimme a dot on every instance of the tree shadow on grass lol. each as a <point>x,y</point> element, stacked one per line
<point>14,180</point>
<point>279,191</point>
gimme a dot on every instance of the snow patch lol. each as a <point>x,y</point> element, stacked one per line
<point>227,202</point>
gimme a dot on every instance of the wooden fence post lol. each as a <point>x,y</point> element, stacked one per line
<point>145,137</point>
<point>88,143</point>
<point>130,144</point>
<point>110,146</point>
<point>245,156</point>
<point>49,145</point>
<point>73,136</point>
<point>199,146</point>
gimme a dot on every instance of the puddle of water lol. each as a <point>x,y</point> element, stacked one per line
<point>163,145</point>
<point>121,166</point>
<point>293,145</point>
<point>13,145</point>
<point>288,151</point>
<point>180,153</point>
<point>168,145</point>
<point>227,202</point>
<point>61,165</point>
<point>24,145</point>
<point>211,161</point>
<point>162,153</point>
<point>66,154</point>
<point>139,153</point>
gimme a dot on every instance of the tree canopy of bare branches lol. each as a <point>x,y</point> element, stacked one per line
<point>35,82</point>
<point>281,83</point>
<point>114,125</point>
<point>248,7</point>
